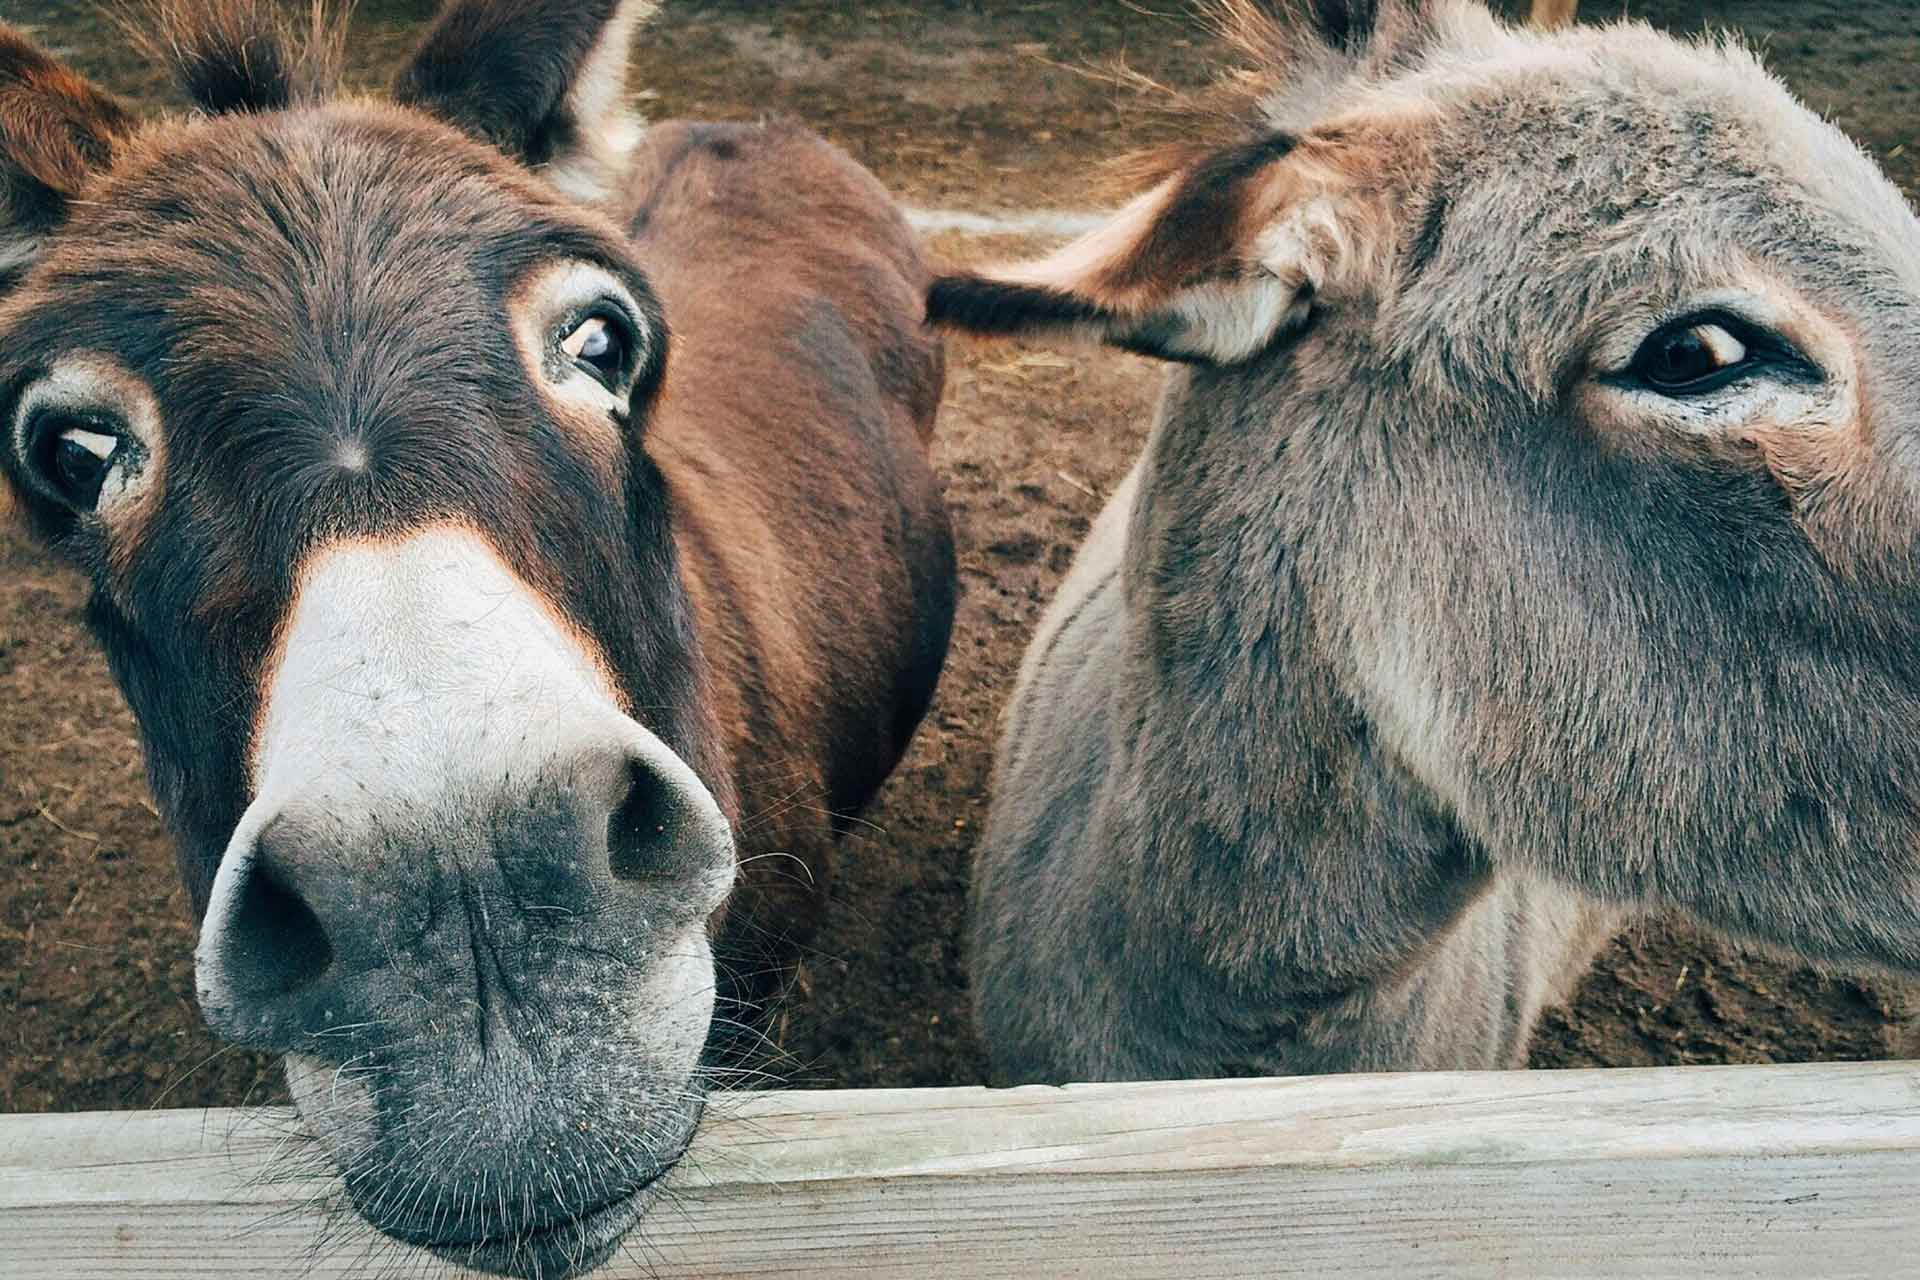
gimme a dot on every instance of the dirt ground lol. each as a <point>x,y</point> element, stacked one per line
<point>979,105</point>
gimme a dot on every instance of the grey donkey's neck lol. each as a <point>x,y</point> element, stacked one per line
<point>1309,907</point>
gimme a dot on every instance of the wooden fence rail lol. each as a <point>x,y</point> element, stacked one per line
<point>1797,1172</point>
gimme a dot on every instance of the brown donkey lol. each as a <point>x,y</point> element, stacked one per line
<point>1530,534</point>
<point>490,523</point>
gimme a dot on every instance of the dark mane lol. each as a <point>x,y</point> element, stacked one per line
<point>244,55</point>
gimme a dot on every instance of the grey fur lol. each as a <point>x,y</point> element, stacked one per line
<point>1414,653</point>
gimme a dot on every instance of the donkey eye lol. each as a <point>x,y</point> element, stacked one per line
<point>73,459</point>
<point>598,347</point>
<point>1691,358</point>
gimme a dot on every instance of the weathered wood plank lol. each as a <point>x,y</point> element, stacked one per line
<point>1741,1171</point>
<point>1554,13</point>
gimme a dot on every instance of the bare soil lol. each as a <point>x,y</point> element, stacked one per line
<point>977,105</point>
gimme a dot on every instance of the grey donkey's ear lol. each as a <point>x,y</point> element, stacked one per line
<point>543,80</point>
<point>56,131</point>
<point>1212,264</point>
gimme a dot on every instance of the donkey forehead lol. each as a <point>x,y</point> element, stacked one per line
<point>327,307</point>
<point>1669,131</point>
<point>1627,164</point>
<point>340,222</point>
<point>291,281</point>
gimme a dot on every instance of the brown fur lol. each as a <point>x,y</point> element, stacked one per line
<point>343,316</point>
<point>766,505</point>
<point>243,55</point>
<point>55,129</point>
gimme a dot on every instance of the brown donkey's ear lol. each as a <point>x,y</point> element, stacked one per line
<point>543,80</point>
<point>1211,265</point>
<point>56,130</point>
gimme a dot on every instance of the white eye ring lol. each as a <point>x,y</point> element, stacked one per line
<point>585,340</point>
<point>98,417</point>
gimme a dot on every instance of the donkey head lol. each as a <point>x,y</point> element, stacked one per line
<point>1562,394</point>
<point>342,406</point>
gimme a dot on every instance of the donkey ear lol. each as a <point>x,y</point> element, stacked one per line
<point>543,80</point>
<point>1210,266</point>
<point>56,130</point>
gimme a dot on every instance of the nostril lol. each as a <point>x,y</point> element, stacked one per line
<point>275,944</point>
<point>644,829</point>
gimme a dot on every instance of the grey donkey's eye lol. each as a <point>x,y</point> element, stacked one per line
<point>1689,359</point>
<point>1704,353</point>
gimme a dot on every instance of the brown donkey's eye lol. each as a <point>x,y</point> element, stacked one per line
<point>1690,358</point>
<point>73,459</point>
<point>598,346</point>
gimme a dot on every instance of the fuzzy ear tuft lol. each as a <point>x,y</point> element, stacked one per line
<point>56,130</point>
<point>231,56</point>
<point>1207,325</point>
<point>1297,56</point>
<point>1345,24</point>
<point>543,80</point>
<point>1277,33</point>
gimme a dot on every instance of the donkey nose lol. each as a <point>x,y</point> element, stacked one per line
<point>327,910</point>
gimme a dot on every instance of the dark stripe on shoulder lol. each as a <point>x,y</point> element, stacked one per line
<point>1426,245</point>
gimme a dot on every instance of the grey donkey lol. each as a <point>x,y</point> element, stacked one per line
<point>1529,535</point>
